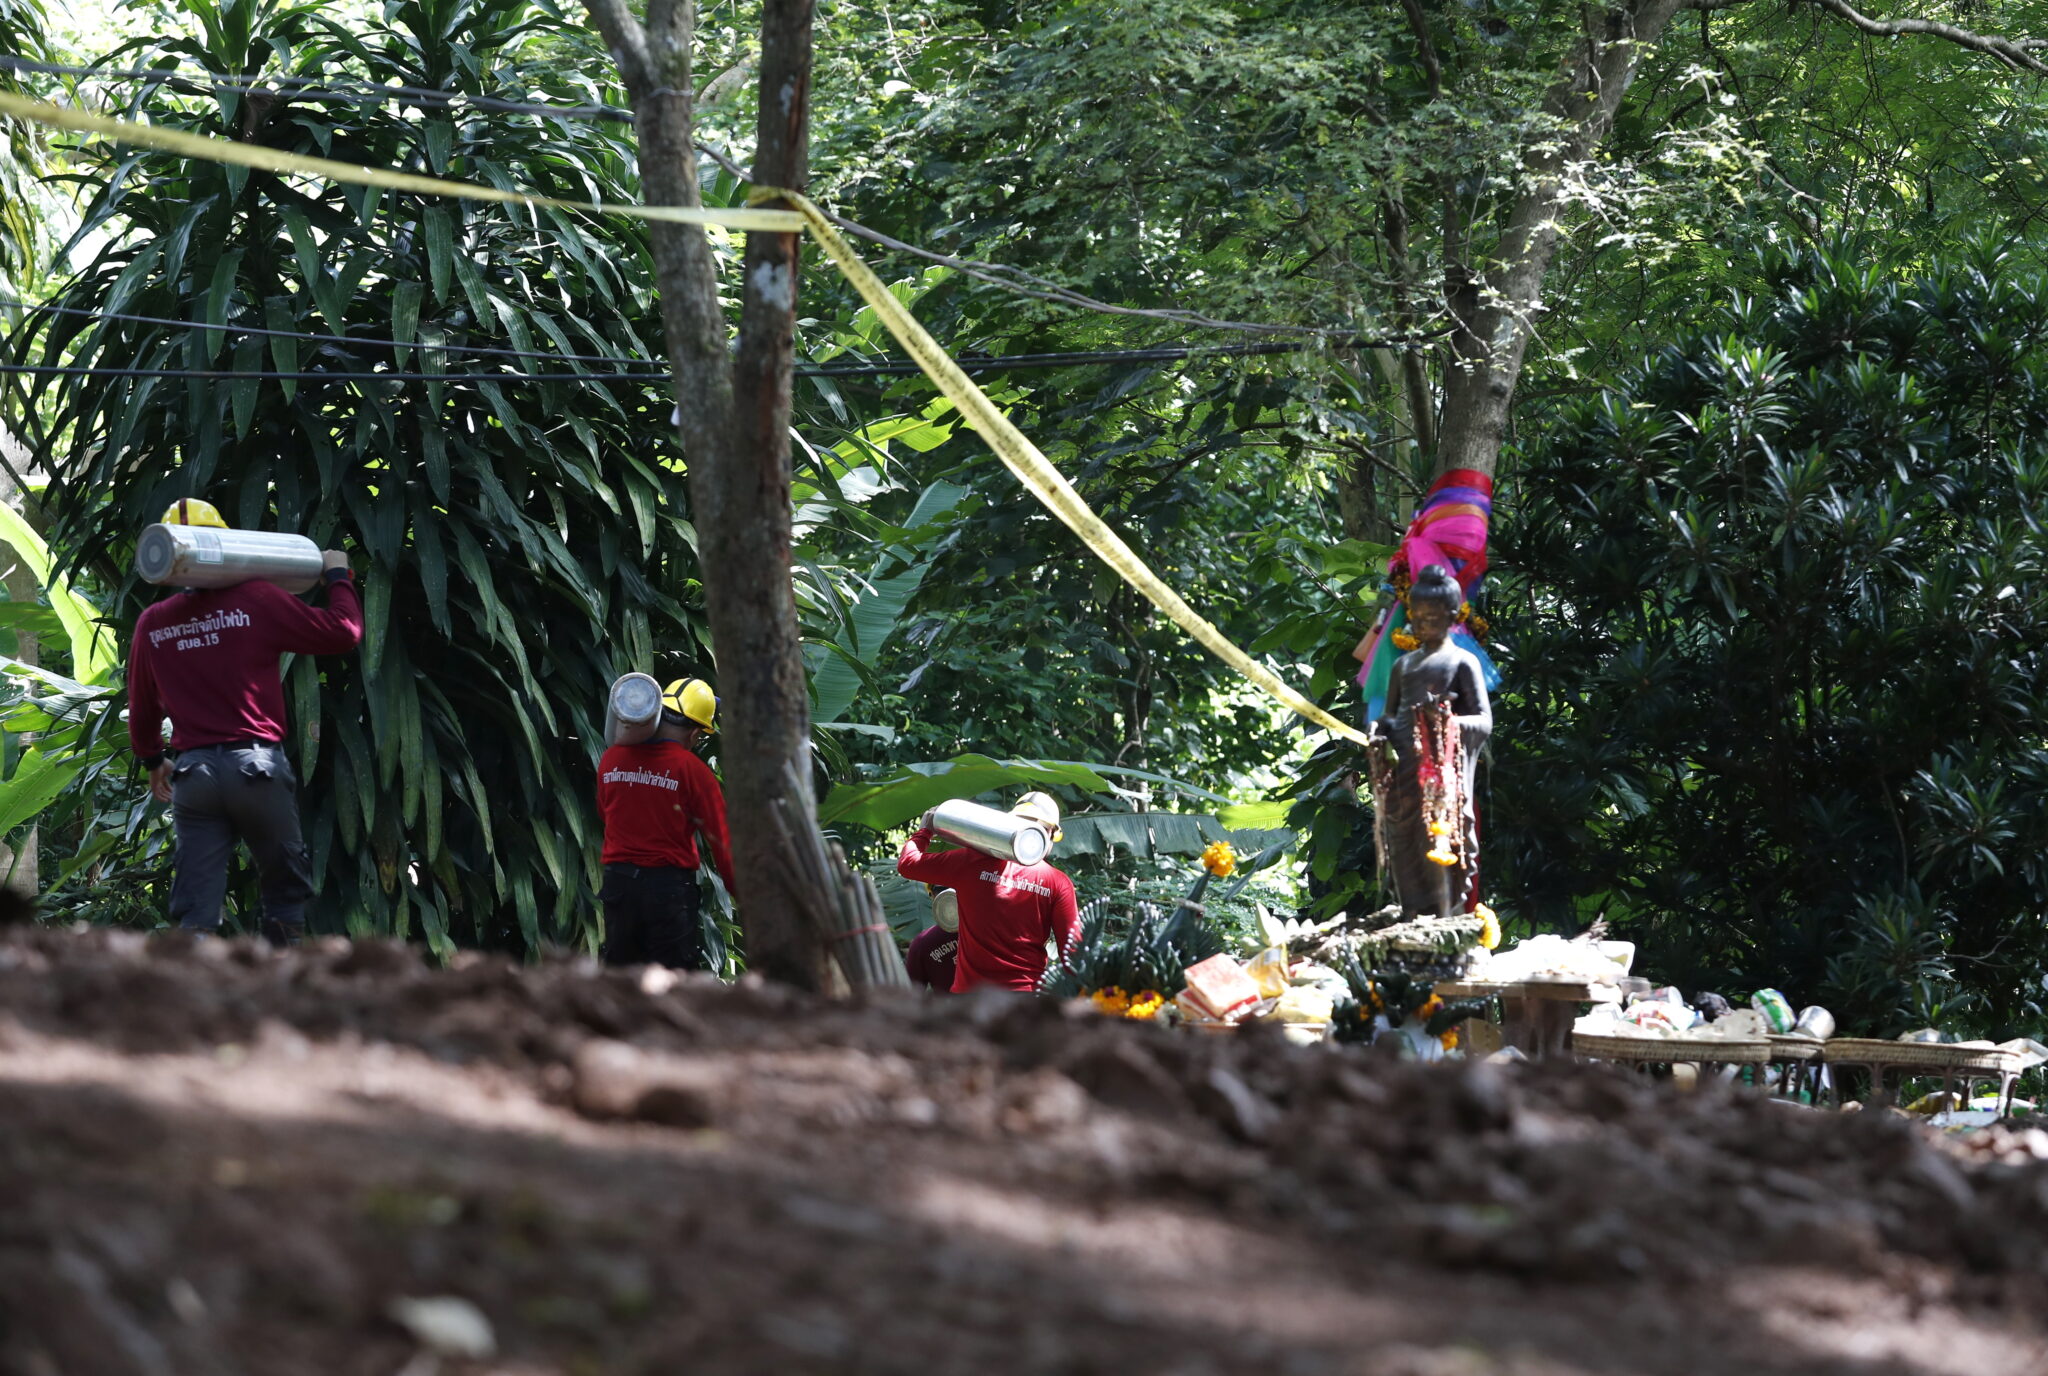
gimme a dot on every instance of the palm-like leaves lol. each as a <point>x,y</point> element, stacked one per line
<point>519,541</point>
<point>1775,646</point>
<point>1145,949</point>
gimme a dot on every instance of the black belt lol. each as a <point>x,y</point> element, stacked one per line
<point>642,871</point>
<point>231,745</point>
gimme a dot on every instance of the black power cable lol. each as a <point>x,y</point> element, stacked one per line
<point>657,367</point>
<point>1003,276</point>
<point>431,346</point>
<point>1003,363</point>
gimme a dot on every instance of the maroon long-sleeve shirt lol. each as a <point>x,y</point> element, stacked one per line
<point>207,658</point>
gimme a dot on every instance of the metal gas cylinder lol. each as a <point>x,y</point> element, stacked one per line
<point>632,710</point>
<point>1000,834</point>
<point>209,557</point>
<point>1815,1021</point>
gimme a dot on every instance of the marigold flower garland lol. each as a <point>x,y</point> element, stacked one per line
<point>1220,859</point>
<point>1405,640</point>
<point>1489,934</point>
<point>1117,1004</point>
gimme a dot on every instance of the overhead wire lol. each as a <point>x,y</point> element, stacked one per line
<point>1003,276</point>
<point>659,368</point>
<point>982,415</point>
<point>998,363</point>
<point>435,346</point>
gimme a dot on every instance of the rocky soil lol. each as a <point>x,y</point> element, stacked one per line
<point>215,1158</point>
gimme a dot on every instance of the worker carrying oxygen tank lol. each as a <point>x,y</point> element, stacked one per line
<point>657,798</point>
<point>1008,910</point>
<point>207,657</point>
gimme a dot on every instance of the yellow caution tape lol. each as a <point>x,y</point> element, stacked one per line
<point>272,160</point>
<point>1036,472</point>
<point>1017,453</point>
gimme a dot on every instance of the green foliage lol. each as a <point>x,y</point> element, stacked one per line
<point>65,747</point>
<point>92,649</point>
<point>1774,662</point>
<point>22,24</point>
<point>910,790</point>
<point>519,543</point>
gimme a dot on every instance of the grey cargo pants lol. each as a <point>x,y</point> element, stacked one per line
<point>245,790</point>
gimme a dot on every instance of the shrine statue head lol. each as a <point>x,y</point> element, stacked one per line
<point>1433,603</point>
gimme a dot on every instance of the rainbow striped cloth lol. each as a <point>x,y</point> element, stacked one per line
<point>1448,529</point>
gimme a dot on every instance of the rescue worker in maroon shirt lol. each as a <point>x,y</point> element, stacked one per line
<point>656,799</point>
<point>1008,911</point>
<point>934,953</point>
<point>207,658</point>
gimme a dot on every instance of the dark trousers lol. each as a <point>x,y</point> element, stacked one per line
<point>222,793</point>
<point>651,917</point>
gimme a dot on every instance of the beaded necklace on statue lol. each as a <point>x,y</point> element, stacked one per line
<point>1439,764</point>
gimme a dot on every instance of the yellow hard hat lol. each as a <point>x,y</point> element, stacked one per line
<point>191,511</point>
<point>691,698</point>
<point>1040,808</point>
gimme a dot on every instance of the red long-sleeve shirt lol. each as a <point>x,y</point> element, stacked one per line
<point>207,658</point>
<point>1007,912</point>
<point>655,798</point>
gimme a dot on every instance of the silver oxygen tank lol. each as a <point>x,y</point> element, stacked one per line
<point>994,833</point>
<point>632,711</point>
<point>209,557</point>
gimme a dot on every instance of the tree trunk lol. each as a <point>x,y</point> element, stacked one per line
<point>1494,321</point>
<point>733,419</point>
<point>743,527</point>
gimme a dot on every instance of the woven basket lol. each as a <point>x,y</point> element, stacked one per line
<point>1660,1050</point>
<point>1563,991</point>
<point>1794,1048</point>
<point>1930,1056</point>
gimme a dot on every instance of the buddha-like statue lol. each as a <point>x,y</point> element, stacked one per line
<point>1425,750</point>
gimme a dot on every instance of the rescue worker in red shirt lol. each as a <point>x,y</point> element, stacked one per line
<point>656,798</point>
<point>1008,911</point>
<point>935,952</point>
<point>207,658</point>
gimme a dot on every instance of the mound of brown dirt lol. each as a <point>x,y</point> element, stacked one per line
<point>215,1158</point>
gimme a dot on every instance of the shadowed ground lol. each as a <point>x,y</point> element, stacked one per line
<point>215,1159</point>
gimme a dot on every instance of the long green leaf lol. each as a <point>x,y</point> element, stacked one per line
<point>92,654</point>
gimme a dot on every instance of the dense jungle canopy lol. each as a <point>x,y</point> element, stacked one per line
<point>1740,304</point>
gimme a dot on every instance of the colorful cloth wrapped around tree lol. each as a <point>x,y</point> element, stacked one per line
<point>1449,529</point>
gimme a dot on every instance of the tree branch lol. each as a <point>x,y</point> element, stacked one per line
<point>727,81</point>
<point>2014,52</point>
<point>626,39</point>
<point>1425,47</point>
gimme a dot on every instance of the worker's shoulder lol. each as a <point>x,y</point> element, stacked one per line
<point>672,757</point>
<point>690,763</point>
<point>159,611</point>
<point>1045,873</point>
